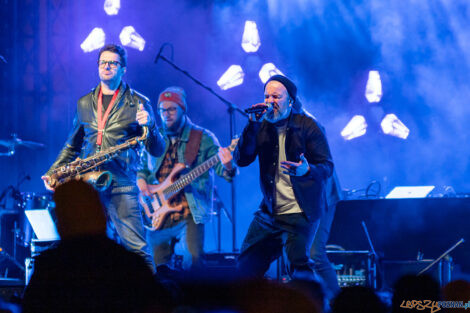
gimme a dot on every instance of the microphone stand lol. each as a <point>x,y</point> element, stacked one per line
<point>220,207</point>
<point>232,108</point>
<point>376,258</point>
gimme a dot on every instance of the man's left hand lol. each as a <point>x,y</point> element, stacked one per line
<point>143,116</point>
<point>225,158</point>
<point>296,168</point>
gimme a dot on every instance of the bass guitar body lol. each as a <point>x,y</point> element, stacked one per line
<point>157,207</point>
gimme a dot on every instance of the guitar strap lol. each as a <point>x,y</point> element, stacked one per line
<point>192,146</point>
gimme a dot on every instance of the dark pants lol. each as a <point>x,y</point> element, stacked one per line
<point>163,242</point>
<point>269,237</point>
<point>322,265</point>
<point>126,215</point>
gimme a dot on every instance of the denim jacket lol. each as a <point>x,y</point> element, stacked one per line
<point>199,192</point>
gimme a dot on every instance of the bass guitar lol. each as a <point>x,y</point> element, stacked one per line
<point>157,207</point>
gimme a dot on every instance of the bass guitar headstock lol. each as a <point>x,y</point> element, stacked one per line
<point>233,143</point>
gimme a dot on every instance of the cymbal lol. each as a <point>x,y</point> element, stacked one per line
<point>11,143</point>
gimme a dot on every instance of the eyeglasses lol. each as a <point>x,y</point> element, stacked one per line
<point>169,110</point>
<point>112,64</point>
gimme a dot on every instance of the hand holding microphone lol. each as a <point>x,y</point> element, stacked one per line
<point>258,110</point>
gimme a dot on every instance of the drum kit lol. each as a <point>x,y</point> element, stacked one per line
<point>16,232</point>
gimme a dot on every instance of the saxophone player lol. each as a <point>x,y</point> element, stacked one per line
<point>107,116</point>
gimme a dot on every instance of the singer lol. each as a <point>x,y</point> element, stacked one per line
<point>115,107</point>
<point>294,164</point>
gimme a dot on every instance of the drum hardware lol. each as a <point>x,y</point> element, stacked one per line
<point>12,144</point>
<point>5,256</point>
<point>16,231</point>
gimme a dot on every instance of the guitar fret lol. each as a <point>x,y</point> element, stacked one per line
<point>185,180</point>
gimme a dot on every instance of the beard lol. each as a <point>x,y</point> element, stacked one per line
<point>175,127</point>
<point>271,116</point>
<point>274,116</point>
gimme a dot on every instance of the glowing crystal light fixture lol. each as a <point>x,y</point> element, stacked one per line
<point>111,7</point>
<point>94,40</point>
<point>392,126</point>
<point>232,77</point>
<point>355,128</point>
<point>250,40</point>
<point>268,70</point>
<point>130,38</point>
<point>374,87</point>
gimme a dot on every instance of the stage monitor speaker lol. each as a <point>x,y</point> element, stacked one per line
<point>393,270</point>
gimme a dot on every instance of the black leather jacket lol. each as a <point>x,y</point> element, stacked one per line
<point>121,126</point>
<point>303,135</point>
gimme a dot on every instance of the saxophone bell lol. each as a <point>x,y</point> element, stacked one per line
<point>101,180</point>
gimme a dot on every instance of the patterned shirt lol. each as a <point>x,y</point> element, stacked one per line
<point>165,169</point>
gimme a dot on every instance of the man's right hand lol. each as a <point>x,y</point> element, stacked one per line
<point>257,116</point>
<point>143,187</point>
<point>47,181</point>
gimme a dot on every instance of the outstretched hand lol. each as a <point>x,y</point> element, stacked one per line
<point>296,168</point>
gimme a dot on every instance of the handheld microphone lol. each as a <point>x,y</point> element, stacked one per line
<point>257,109</point>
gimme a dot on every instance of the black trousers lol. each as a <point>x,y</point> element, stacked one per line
<point>268,237</point>
<point>191,236</point>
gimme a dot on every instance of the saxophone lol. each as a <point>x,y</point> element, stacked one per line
<point>82,168</point>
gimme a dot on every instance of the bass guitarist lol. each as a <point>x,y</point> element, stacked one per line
<point>191,145</point>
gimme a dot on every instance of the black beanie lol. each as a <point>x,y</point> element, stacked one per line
<point>290,86</point>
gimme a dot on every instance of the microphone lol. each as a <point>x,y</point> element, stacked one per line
<point>257,109</point>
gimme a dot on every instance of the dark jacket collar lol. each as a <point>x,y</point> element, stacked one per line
<point>123,88</point>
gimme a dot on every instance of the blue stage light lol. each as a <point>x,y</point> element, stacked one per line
<point>392,126</point>
<point>268,70</point>
<point>355,128</point>
<point>111,7</point>
<point>251,41</point>
<point>374,87</point>
<point>94,40</point>
<point>130,38</point>
<point>231,78</point>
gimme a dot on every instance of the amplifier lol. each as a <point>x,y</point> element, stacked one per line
<point>354,268</point>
